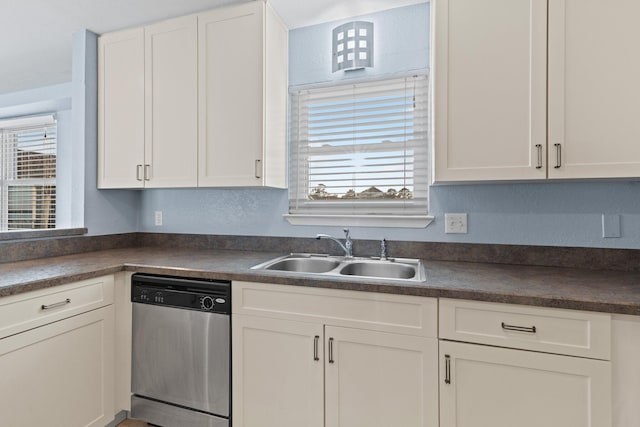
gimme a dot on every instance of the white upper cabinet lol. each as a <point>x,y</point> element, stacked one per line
<point>171,103</point>
<point>243,88</point>
<point>195,101</point>
<point>121,109</point>
<point>148,106</point>
<point>594,89</point>
<point>504,112</point>
<point>489,64</point>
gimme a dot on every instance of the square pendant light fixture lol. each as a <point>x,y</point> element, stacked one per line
<point>352,46</point>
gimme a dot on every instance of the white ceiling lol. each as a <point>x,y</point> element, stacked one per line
<point>35,35</point>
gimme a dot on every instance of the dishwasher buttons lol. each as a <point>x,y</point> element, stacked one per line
<point>206,303</point>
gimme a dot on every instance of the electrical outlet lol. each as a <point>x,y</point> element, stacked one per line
<point>610,226</point>
<point>158,217</point>
<point>455,223</point>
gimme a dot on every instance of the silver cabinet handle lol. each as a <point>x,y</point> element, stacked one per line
<point>331,350</point>
<point>258,168</point>
<point>316,339</point>
<point>139,172</point>
<point>528,329</point>
<point>55,304</point>
<point>147,172</point>
<point>447,369</point>
<point>539,148</point>
<point>558,156</point>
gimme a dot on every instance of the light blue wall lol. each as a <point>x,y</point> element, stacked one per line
<point>544,213</point>
<point>80,204</point>
<point>103,211</point>
<point>401,44</point>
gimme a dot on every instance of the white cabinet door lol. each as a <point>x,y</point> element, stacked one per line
<point>277,381</point>
<point>230,43</point>
<point>376,379</point>
<point>121,109</point>
<point>61,374</point>
<point>490,89</point>
<point>243,81</point>
<point>497,387</point>
<point>171,103</point>
<point>594,89</point>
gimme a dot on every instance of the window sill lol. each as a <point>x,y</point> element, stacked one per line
<point>394,221</point>
<point>41,234</point>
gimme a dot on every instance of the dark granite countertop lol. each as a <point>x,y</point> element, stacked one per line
<point>593,290</point>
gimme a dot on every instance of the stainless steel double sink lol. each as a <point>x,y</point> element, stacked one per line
<point>326,265</point>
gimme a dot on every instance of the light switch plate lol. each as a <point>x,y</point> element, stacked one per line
<point>455,223</point>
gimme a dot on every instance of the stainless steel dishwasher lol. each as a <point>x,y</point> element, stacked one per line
<point>181,351</point>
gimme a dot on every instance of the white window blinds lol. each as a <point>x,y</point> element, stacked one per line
<point>360,149</point>
<point>28,148</point>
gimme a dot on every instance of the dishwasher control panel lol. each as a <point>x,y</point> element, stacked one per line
<point>200,295</point>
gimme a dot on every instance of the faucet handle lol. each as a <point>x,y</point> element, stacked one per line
<point>383,249</point>
<point>348,244</point>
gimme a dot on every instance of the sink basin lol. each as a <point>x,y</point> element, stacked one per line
<point>390,270</point>
<point>304,265</point>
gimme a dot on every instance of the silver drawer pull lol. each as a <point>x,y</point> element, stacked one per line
<point>447,369</point>
<point>331,350</point>
<point>55,304</point>
<point>528,329</point>
<point>316,339</point>
<point>258,169</point>
<point>558,156</point>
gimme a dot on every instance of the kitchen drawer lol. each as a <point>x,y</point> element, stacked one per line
<point>551,330</point>
<point>401,314</point>
<point>32,309</point>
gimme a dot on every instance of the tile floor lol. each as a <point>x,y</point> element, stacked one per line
<point>132,423</point>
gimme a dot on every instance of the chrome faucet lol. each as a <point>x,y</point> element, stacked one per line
<point>348,244</point>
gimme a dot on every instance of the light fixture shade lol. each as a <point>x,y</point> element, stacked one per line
<point>352,46</point>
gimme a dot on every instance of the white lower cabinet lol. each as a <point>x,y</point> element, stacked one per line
<point>57,356</point>
<point>482,386</point>
<point>277,381</point>
<point>625,376</point>
<point>376,379</point>
<point>307,357</point>
<point>60,374</point>
<point>523,366</point>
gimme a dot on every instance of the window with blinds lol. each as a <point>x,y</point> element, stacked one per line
<point>360,149</point>
<point>28,149</point>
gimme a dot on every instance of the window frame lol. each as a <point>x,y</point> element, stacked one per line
<point>8,162</point>
<point>388,213</point>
